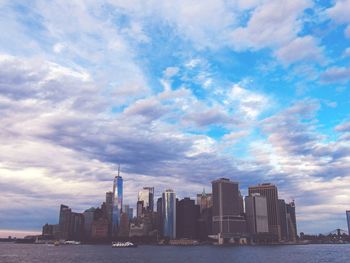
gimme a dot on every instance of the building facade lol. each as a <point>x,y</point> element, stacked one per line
<point>228,221</point>
<point>256,214</point>
<point>270,192</point>
<point>169,214</point>
<point>147,196</point>
<point>187,213</point>
<point>117,203</point>
<point>348,220</point>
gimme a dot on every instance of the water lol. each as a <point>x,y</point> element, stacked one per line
<point>18,253</point>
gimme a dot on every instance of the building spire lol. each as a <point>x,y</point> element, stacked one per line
<point>119,169</point>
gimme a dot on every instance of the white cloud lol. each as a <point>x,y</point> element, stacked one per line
<point>300,49</point>
<point>273,23</point>
<point>340,11</point>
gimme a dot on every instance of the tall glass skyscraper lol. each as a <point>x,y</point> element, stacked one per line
<point>169,213</point>
<point>117,203</point>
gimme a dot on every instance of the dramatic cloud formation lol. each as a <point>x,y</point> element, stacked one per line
<point>177,93</point>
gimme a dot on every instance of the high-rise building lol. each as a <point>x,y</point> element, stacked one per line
<point>64,221</point>
<point>117,202</point>
<point>160,216</point>
<point>282,212</point>
<point>348,220</point>
<point>109,205</point>
<point>88,219</point>
<point>270,192</point>
<point>139,209</point>
<point>204,200</point>
<point>169,214</point>
<point>147,196</point>
<point>256,214</point>
<point>228,222</point>
<point>292,231</point>
<point>129,211</point>
<point>187,214</point>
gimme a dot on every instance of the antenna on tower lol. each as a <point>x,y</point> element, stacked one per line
<point>118,169</point>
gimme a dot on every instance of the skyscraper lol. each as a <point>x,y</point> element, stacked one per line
<point>348,220</point>
<point>291,222</point>
<point>228,223</point>
<point>282,211</point>
<point>169,213</point>
<point>256,213</point>
<point>204,200</point>
<point>270,192</point>
<point>147,196</point>
<point>117,202</point>
<point>187,214</point>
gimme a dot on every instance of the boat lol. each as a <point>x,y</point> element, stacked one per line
<point>123,244</point>
<point>71,242</point>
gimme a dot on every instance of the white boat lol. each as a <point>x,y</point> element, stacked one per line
<point>123,244</point>
<point>71,242</point>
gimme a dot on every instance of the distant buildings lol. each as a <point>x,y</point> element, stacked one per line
<point>169,214</point>
<point>219,215</point>
<point>271,194</point>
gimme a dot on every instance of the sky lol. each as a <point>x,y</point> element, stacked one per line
<point>179,93</point>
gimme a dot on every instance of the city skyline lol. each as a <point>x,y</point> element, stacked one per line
<point>179,94</point>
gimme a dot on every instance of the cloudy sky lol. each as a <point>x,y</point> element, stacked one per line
<point>179,93</point>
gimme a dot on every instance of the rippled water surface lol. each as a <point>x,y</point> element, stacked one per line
<point>16,253</point>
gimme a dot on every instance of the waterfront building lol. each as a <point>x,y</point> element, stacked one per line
<point>64,222</point>
<point>271,193</point>
<point>187,214</point>
<point>146,195</point>
<point>282,212</point>
<point>99,229</point>
<point>117,202</point>
<point>292,231</point>
<point>256,214</point>
<point>348,220</point>
<point>160,216</point>
<point>228,222</point>
<point>169,214</point>
<point>88,219</point>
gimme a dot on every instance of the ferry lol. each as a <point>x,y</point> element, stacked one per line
<point>123,244</point>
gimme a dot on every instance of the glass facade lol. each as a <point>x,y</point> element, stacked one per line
<point>169,214</point>
<point>117,202</point>
<point>147,196</point>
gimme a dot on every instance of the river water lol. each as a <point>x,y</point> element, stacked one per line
<point>18,253</point>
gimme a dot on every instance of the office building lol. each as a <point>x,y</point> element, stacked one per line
<point>129,211</point>
<point>282,212</point>
<point>139,209</point>
<point>88,219</point>
<point>187,214</point>
<point>147,196</point>
<point>292,231</point>
<point>204,200</point>
<point>348,220</point>
<point>160,216</point>
<point>270,192</point>
<point>169,214</point>
<point>228,222</point>
<point>256,214</point>
<point>117,202</point>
